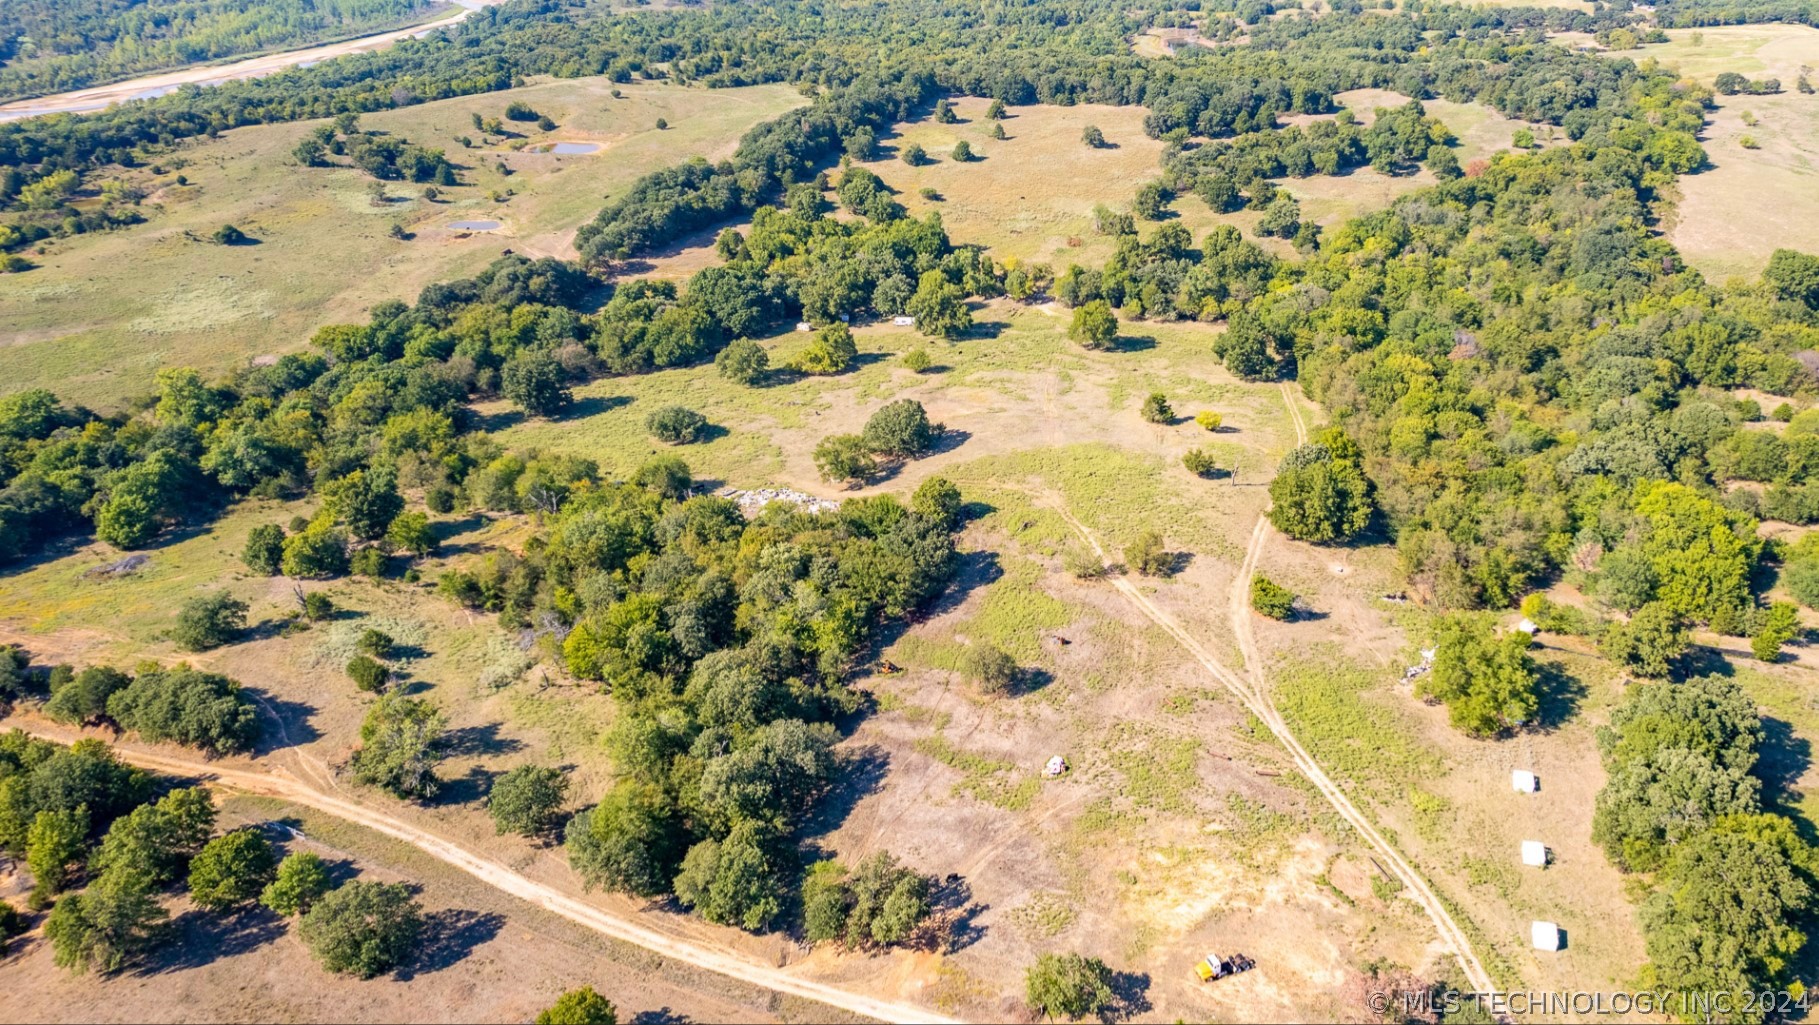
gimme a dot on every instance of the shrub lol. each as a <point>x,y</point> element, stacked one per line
<point>1147,556</point>
<point>938,501</point>
<point>205,710</point>
<point>990,668</point>
<point>676,425</point>
<point>1093,137</point>
<point>1068,985</point>
<point>318,606</point>
<point>1208,419</point>
<point>832,351</point>
<point>917,360</point>
<point>1094,325</point>
<point>368,675</point>
<point>1080,561</point>
<point>376,643</point>
<point>209,621</point>
<point>1272,599</point>
<point>1199,462</point>
<point>580,1007</point>
<point>1156,409</point>
<point>317,551</point>
<point>368,562</point>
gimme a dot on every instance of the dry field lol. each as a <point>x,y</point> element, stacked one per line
<point>104,311</point>
<point>1749,202</point>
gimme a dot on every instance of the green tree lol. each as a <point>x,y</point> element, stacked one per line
<point>83,700</point>
<point>1094,325</point>
<point>1199,462</point>
<point>232,870</point>
<point>318,550</point>
<point>995,111</point>
<point>187,706</point>
<point>676,425</point>
<point>527,800</point>
<point>914,155</point>
<point>398,742</point>
<point>368,674</point>
<point>411,533</point>
<point>743,361</point>
<point>963,152</point>
<point>580,1007</point>
<point>108,926</point>
<point>209,621</point>
<point>831,351</point>
<point>1272,599</point>
<point>1487,682</point>
<point>938,501</point>
<point>1156,409</point>
<point>631,842</point>
<point>1649,643</point>
<point>1317,497</point>
<point>366,500</point>
<point>264,550</point>
<point>844,457</point>
<point>939,306</point>
<point>1794,276</point>
<point>668,476</point>
<point>363,929</point>
<point>56,841</point>
<point>1068,986</point>
<point>990,669</point>
<point>158,840</point>
<point>1093,137</point>
<point>300,881</point>
<point>533,380</point>
<point>736,881</point>
<point>900,429</point>
<point>1147,556</point>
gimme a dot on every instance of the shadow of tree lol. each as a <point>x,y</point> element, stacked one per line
<point>862,773</point>
<point>449,936</point>
<point>1130,996</point>
<point>284,723</point>
<point>483,739</point>
<point>1559,692</point>
<point>472,786</point>
<point>660,1016</point>
<point>592,405</point>
<point>197,937</point>
<point>1784,758</point>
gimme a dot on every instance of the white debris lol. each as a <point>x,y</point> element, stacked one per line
<point>1524,782</point>
<point>904,321</point>
<point>1534,853</point>
<point>750,502</point>
<point>1426,663</point>
<point>803,325</point>
<point>1544,935</point>
<point>1527,626</point>
<point>1055,767</point>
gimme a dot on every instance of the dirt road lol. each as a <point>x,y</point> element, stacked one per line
<point>101,97</point>
<point>1252,689</point>
<point>725,962</point>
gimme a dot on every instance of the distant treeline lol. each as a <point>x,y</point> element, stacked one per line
<point>48,46</point>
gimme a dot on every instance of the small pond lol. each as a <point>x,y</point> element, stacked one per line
<point>475,225</point>
<point>571,147</point>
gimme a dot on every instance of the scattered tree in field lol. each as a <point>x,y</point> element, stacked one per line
<point>1093,137</point>
<point>900,429</point>
<point>844,457</point>
<point>317,606</point>
<point>676,425</point>
<point>368,673</point>
<point>1487,682</point>
<point>300,881</point>
<point>1320,493</point>
<point>264,550</point>
<point>228,235</point>
<point>534,381</point>
<point>398,744</point>
<point>1156,409</point>
<point>996,110</point>
<point>580,1007</point>
<point>662,125</point>
<point>209,621</point>
<point>527,800</point>
<point>831,351</point>
<point>990,669</point>
<point>363,929</point>
<point>108,926</point>
<point>1209,420</point>
<point>232,870</point>
<point>944,112</point>
<point>1151,202</point>
<point>1199,462</point>
<point>743,361</point>
<point>963,152</point>
<point>878,904</point>
<point>1272,599</point>
<point>917,360</point>
<point>1147,556</point>
<point>1068,986</point>
<point>997,131</point>
<point>914,155</point>
<point>1094,325</point>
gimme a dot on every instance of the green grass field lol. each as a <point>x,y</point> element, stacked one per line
<point>104,311</point>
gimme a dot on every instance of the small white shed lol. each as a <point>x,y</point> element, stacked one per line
<point>904,321</point>
<point>803,325</point>
<point>1524,781</point>
<point>1527,626</point>
<point>1544,935</point>
<point>1534,852</point>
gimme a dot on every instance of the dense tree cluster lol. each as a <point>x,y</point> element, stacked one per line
<point>1734,883</point>
<point>724,644</point>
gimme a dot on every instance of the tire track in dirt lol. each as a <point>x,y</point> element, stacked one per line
<point>1250,688</point>
<point>721,961</point>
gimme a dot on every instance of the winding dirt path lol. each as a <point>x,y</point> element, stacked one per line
<point>100,97</point>
<point>1251,688</point>
<point>498,876</point>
